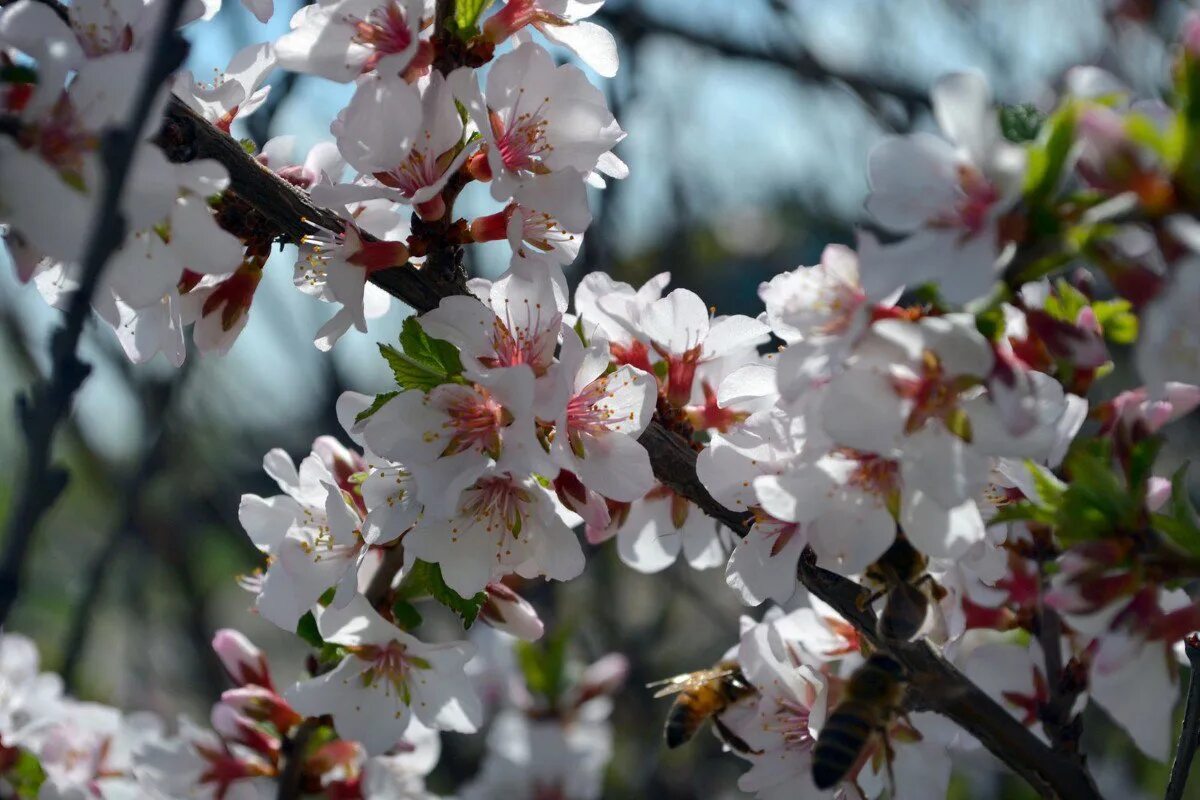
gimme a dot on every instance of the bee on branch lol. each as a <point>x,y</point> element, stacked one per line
<point>701,696</point>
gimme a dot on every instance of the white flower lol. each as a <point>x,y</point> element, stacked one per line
<point>235,93</point>
<point>653,531</point>
<point>342,39</point>
<point>562,22</point>
<point>1168,347</point>
<point>948,193</point>
<point>537,117</point>
<point>197,765</point>
<point>501,524</point>
<point>25,693</point>
<point>602,415</point>
<point>387,678</point>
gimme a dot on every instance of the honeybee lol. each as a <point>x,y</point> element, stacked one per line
<point>704,695</point>
<point>873,696</point>
<point>900,572</point>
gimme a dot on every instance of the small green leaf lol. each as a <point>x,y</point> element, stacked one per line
<point>249,146</point>
<point>327,596</point>
<point>424,362</point>
<point>466,17</point>
<point>26,776</point>
<point>544,663</point>
<point>425,580</point>
<point>307,630</point>
<point>1065,302</point>
<point>1050,489</point>
<point>1117,320</point>
<point>379,402</point>
<point>406,614</point>
<point>1048,155</point>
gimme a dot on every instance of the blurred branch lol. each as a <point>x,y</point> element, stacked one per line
<point>48,402</point>
<point>631,23</point>
<point>292,756</point>
<point>157,400</point>
<point>1189,735</point>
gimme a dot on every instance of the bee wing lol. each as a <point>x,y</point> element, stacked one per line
<point>687,680</point>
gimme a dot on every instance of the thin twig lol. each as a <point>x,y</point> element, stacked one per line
<point>41,411</point>
<point>292,760</point>
<point>1189,735</point>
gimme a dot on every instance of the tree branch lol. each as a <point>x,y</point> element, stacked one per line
<point>1189,735</point>
<point>41,411</point>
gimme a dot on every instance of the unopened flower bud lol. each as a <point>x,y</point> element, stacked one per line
<point>261,705</point>
<point>507,611</point>
<point>243,662</point>
<point>235,727</point>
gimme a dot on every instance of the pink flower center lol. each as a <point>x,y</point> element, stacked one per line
<point>60,138</point>
<point>476,419</point>
<point>791,722</point>
<point>530,342</point>
<point>521,140</point>
<point>586,416</point>
<point>419,170</point>
<point>770,528</point>
<point>499,504</point>
<point>974,205</point>
<point>873,474</point>
<point>392,664</point>
<point>934,395</point>
<point>385,30</point>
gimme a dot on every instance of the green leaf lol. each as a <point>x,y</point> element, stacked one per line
<point>990,323</point>
<point>1116,318</point>
<point>466,16</point>
<point>1050,489</point>
<point>249,146</point>
<point>1048,155</point>
<point>25,776</point>
<point>424,362</point>
<point>1065,302</point>
<point>307,630</point>
<point>1023,511</point>
<point>406,614</point>
<point>1020,123</point>
<point>425,580</point>
<point>544,663</point>
<point>379,402</point>
<point>1096,501</point>
<point>1179,525</point>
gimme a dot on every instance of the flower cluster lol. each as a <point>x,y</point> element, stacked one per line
<point>936,426</point>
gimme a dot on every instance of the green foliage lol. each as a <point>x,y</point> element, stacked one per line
<point>406,615</point>
<point>544,663</point>
<point>1020,123</point>
<point>990,323</point>
<point>1096,501</point>
<point>1117,320</point>
<point>249,146</point>
<point>422,362</point>
<point>306,629</point>
<point>466,17</point>
<point>1048,156</point>
<point>25,776</point>
<point>1178,522</point>
<point>379,402</point>
<point>425,580</point>
<point>1065,302</point>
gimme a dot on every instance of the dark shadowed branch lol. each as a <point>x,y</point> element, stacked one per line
<point>1189,735</point>
<point>41,410</point>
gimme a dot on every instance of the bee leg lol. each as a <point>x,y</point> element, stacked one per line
<point>734,741</point>
<point>862,795</point>
<point>888,755</point>
<point>864,602</point>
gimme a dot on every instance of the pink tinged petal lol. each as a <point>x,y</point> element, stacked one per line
<point>734,333</point>
<point>677,322</point>
<point>267,520</point>
<point>615,465</point>
<point>1144,712</point>
<point>937,531</point>
<point>261,9</point>
<point>962,104</point>
<point>645,544</point>
<point>913,179</point>
<point>380,123</point>
<point>861,410</point>
<point>854,532</point>
<point>799,495</point>
<point>762,568</point>
<point>594,45</point>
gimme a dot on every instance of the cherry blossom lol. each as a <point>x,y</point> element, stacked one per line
<point>341,40</point>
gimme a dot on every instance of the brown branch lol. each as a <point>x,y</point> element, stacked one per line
<point>292,759</point>
<point>1189,734</point>
<point>632,23</point>
<point>42,410</point>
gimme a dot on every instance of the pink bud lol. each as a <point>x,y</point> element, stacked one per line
<point>243,662</point>
<point>515,15</point>
<point>602,678</point>
<point>261,705</point>
<point>1158,491</point>
<point>235,727</point>
<point>1190,37</point>
<point>507,611</point>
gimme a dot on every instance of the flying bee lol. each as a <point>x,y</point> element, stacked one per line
<point>900,574</point>
<point>873,696</point>
<point>704,695</point>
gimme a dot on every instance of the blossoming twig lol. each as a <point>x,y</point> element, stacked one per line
<point>1189,735</point>
<point>43,409</point>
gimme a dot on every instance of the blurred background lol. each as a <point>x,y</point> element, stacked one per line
<point>749,126</point>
